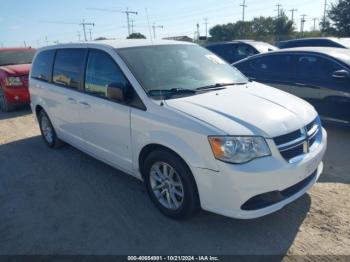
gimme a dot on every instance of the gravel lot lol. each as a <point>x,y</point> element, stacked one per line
<point>65,202</point>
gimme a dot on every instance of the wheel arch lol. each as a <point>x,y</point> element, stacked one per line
<point>147,149</point>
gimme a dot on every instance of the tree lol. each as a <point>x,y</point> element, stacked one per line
<point>136,36</point>
<point>283,27</point>
<point>222,32</point>
<point>260,28</point>
<point>340,15</point>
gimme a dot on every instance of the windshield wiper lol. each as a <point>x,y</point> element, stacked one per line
<point>217,86</point>
<point>171,92</point>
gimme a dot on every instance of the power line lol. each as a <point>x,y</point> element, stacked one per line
<point>83,24</point>
<point>127,12</point>
<point>243,9</point>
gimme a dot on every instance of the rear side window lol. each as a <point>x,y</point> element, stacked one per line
<point>42,65</point>
<point>102,71</point>
<point>68,67</point>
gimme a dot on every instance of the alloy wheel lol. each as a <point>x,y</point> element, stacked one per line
<point>47,129</point>
<point>166,185</point>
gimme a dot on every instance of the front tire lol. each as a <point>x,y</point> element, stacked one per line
<point>170,184</point>
<point>48,132</point>
<point>5,106</point>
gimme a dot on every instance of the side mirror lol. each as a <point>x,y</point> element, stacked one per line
<point>341,74</point>
<point>116,92</point>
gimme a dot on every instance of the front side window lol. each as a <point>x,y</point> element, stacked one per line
<point>168,67</point>
<point>272,64</point>
<point>42,65</point>
<point>101,72</point>
<point>244,51</point>
<point>16,57</point>
<point>68,67</point>
<point>314,66</point>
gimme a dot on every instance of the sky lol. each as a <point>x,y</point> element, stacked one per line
<point>40,22</point>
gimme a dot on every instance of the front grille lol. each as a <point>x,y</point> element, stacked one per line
<point>300,141</point>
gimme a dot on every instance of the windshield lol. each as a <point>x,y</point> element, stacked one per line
<point>169,67</point>
<point>16,57</point>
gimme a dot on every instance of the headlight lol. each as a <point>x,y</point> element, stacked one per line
<point>238,149</point>
<point>14,81</point>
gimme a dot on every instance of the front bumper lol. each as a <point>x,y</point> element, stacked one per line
<point>226,191</point>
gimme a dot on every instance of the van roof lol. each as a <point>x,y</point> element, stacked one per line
<point>117,44</point>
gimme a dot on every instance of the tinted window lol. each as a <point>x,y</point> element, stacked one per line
<point>68,67</point>
<point>16,57</point>
<point>272,64</point>
<point>314,66</point>
<point>233,52</point>
<point>42,65</point>
<point>101,71</point>
<point>225,51</point>
<point>243,51</point>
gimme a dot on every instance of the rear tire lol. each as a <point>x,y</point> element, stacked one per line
<point>170,184</point>
<point>48,132</point>
<point>5,106</point>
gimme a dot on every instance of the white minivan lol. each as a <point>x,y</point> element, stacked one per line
<point>173,114</point>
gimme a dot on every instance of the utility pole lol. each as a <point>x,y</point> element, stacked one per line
<point>302,23</point>
<point>132,25</point>
<point>314,19</point>
<point>198,33</point>
<point>324,14</point>
<point>47,41</point>
<point>278,10</point>
<point>79,35</point>
<point>154,26</point>
<point>84,28</point>
<point>25,44</point>
<point>206,27</point>
<point>243,10</point>
<point>90,33</point>
<point>127,12</point>
<point>292,11</point>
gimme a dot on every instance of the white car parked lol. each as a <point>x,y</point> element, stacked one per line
<point>173,114</point>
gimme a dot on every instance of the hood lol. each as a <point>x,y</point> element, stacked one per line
<point>17,70</point>
<point>250,109</point>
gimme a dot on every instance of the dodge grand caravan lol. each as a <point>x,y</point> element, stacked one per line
<point>173,114</point>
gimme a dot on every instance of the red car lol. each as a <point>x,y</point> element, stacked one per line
<point>14,70</point>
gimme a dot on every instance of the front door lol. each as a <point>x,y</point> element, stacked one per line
<point>105,124</point>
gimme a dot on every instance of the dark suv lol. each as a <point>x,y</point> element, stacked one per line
<point>317,41</point>
<point>319,75</point>
<point>239,49</point>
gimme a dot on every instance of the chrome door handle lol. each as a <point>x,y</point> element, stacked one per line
<point>72,100</point>
<point>85,104</point>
